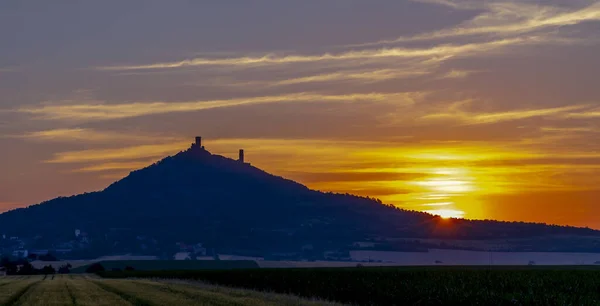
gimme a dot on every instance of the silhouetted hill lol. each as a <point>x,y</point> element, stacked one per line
<point>195,196</point>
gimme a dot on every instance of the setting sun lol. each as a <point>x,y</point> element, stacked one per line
<point>447,213</point>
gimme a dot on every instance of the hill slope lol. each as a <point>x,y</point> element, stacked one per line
<point>195,196</point>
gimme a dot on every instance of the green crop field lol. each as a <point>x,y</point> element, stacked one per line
<point>411,285</point>
<point>92,290</point>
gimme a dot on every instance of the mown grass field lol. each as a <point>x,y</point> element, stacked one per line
<point>92,290</point>
<point>411,285</point>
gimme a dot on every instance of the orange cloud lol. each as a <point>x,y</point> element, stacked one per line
<point>97,111</point>
<point>465,117</point>
<point>443,51</point>
<point>114,166</point>
<point>135,152</point>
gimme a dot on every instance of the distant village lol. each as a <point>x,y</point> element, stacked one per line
<point>17,247</point>
<point>21,247</point>
<point>81,246</point>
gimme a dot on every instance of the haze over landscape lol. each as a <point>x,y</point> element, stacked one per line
<point>475,109</point>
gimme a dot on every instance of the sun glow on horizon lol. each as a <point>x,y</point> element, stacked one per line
<point>447,213</point>
<point>443,189</point>
<point>447,185</point>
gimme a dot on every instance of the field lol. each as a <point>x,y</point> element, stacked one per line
<point>88,290</point>
<point>523,285</point>
<point>472,285</point>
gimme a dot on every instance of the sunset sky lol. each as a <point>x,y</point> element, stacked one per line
<point>467,108</point>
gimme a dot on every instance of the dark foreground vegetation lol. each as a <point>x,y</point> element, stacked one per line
<point>410,286</point>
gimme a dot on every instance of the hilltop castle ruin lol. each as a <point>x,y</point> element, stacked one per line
<point>198,145</point>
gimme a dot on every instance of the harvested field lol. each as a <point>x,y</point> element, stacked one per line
<point>92,290</point>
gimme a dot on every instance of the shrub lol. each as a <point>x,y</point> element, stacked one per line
<point>66,269</point>
<point>48,270</point>
<point>95,268</point>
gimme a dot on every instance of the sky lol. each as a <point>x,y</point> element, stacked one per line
<point>462,108</point>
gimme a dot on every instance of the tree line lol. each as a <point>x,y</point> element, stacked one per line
<point>24,267</point>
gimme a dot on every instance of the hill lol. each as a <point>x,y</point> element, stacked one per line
<point>231,206</point>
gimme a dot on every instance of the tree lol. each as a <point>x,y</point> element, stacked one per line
<point>48,270</point>
<point>27,269</point>
<point>48,257</point>
<point>4,261</point>
<point>66,269</point>
<point>11,267</point>
<point>95,268</point>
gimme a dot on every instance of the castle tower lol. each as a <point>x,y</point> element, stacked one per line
<point>199,141</point>
<point>241,158</point>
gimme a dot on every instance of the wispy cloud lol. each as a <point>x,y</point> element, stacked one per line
<point>592,113</point>
<point>112,166</point>
<point>128,153</point>
<point>438,204</point>
<point>568,129</point>
<point>91,135</point>
<point>356,76</point>
<point>92,112</point>
<point>363,77</point>
<point>457,74</point>
<point>450,3</point>
<point>443,50</point>
<point>465,117</point>
<point>504,18</point>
